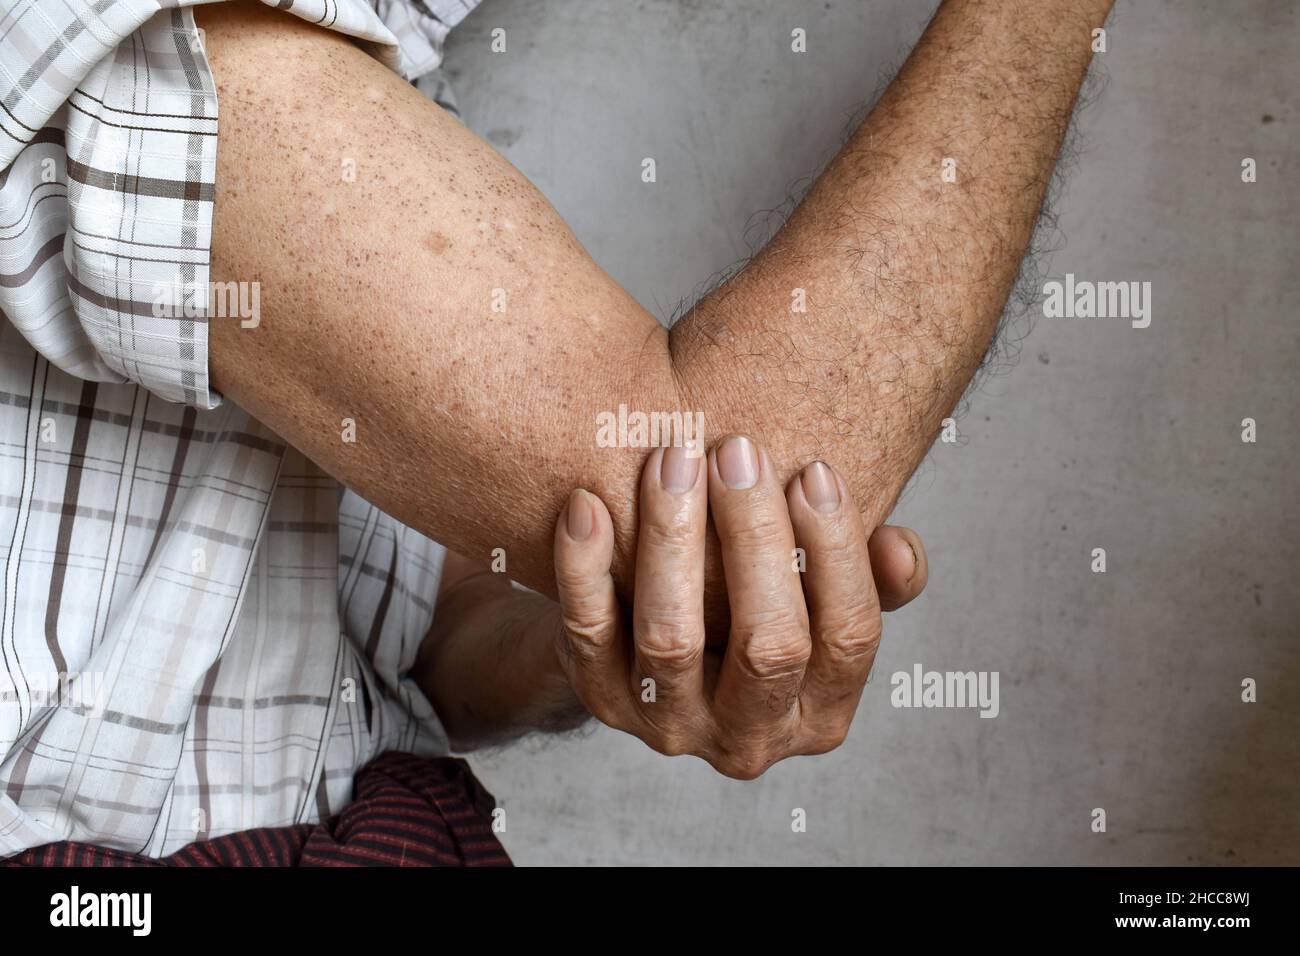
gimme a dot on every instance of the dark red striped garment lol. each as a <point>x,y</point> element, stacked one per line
<point>406,811</point>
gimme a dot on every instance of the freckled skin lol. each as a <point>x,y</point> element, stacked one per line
<point>380,309</point>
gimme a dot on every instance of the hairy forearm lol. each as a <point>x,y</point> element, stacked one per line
<point>901,276</point>
<point>433,335</point>
<point>488,663</point>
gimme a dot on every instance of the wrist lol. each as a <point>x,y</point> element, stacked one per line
<point>559,704</point>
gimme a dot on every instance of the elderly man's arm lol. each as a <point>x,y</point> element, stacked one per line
<point>440,303</point>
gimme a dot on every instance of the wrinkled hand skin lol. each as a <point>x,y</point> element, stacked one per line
<point>800,645</point>
<point>499,661</point>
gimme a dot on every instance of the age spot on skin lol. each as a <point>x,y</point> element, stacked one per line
<point>437,243</point>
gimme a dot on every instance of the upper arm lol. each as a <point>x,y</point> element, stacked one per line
<point>414,284</point>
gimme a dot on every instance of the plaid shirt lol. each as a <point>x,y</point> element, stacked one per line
<point>201,632</point>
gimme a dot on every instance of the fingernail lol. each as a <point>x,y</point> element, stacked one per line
<point>738,462</point>
<point>916,560</point>
<point>678,471</point>
<point>819,487</point>
<point>581,517</point>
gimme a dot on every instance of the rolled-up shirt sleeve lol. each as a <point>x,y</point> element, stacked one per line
<point>108,193</point>
<point>108,154</point>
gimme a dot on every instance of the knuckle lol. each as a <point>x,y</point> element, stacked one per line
<point>672,743</point>
<point>774,651</point>
<point>584,640</point>
<point>746,755</point>
<point>669,643</point>
<point>830,738</point>
<point>670,733</point>
<point>743,766</point>
<point>774,662</point>
<point>850,639</point>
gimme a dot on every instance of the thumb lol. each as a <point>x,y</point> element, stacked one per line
<point>898,564</point>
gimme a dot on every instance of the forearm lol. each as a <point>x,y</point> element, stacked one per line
<point>904,276</point>
<point>488,663</point>
<point>382,353</point>
<point>431,332</point>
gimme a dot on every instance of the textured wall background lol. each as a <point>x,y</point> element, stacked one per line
<point>1118,690</point>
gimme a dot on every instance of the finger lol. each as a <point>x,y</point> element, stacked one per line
<point>668,605</point>
<point>758,686</point>
<point>842,604</point>
<point>898,564</point>
<point>591,647</point>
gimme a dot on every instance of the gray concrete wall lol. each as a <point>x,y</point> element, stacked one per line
<point>1119,690</point>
